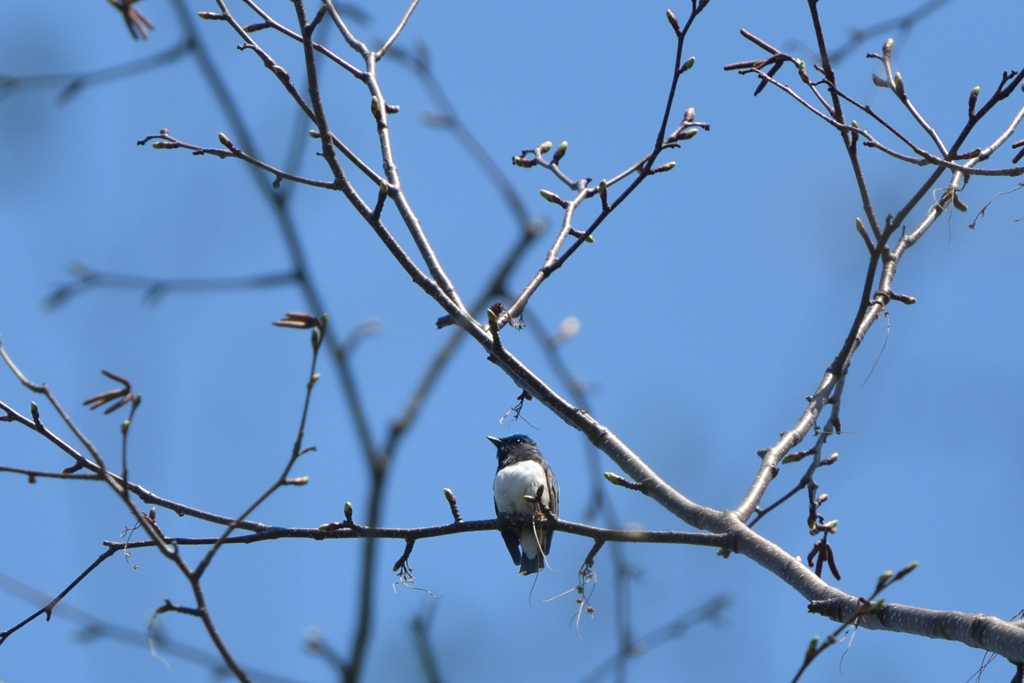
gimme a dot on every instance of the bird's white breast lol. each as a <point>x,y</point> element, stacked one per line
<point>515,481</point>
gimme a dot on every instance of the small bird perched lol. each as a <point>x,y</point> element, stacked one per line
<point>522,471</point>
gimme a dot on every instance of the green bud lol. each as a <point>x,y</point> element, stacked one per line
<point>687,65</point>
<point>375,106</point>
<point>348,511</point>
<point>560,152</point>
<point>125,425</point>
<point>297,481</point>
<point>279,70</point>
<point>225,141</point>
<point>813,646</point>
<point>886,575</point>
<point>973,99</point>
<point>672,20</point>
<point>552,197</point>
<point>860,228</point>
<point>545,147</point>
<point>687,134</point>
<point>887,48</point>
<point>898,79</point>
<point>906,570</point>
<point>210,16</point>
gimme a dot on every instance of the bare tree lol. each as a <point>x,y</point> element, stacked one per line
<point>333,73</point>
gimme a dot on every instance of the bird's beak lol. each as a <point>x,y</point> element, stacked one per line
<point>495,440</point>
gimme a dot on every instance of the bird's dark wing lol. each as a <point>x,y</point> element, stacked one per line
<point>552,505</point>
<point>553,491</point>
<point>511,538</point>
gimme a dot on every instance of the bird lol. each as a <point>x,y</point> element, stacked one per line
<point>522,471</point>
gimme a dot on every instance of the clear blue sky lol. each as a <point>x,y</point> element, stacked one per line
<point>710,305</point>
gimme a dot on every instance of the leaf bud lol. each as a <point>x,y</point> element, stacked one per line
<point>552,197</point>
<point>906,570</point>
<point>560,152</point>
<point>973,99</point>
<point>672,20</point>
<point>860,228</point>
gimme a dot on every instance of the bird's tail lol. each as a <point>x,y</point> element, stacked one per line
<point>531,565</point>
<point>533,539</point>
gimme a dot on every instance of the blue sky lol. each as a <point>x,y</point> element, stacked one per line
<point>710,305</point>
